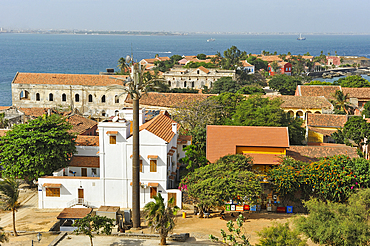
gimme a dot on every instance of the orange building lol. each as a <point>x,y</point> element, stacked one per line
<point>264,144</point>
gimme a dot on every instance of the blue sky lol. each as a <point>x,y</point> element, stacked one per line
<point>189,15</point>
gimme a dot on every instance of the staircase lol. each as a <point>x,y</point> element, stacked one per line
<point>78,201</point>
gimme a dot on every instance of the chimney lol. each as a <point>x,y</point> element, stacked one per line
<point>174,127</point>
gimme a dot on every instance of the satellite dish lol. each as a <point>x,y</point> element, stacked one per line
<point>128,59</point>
<point>115,119</point>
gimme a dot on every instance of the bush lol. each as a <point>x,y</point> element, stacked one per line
<point>280,234</point>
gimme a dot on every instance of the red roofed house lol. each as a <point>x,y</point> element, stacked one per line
<point>100,174</point>
<point>284,68</point>
<point>264,144</point>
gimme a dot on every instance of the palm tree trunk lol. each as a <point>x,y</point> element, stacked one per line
<point>15,232</point>
<point>91,242</point>
<point>163,241</point>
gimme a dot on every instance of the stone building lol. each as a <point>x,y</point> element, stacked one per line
<point>91,95</point>
<point>195,78</point>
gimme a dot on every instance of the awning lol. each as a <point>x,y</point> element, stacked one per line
<point>152,157</point>
<point>132,155</point>
<point>112,132</point>
<point>51,185</point>
<point>153,184</point>
<point>131,183</point>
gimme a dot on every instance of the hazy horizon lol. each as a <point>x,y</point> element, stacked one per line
<point>238,16</point>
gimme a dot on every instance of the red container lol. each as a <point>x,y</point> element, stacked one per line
<point>281,209</point>
<point>246,207</point>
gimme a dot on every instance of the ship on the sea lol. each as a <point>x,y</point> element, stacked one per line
<point>211,40</point>
<point>300,37</point>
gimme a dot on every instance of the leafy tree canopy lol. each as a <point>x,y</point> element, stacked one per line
<point>199,64</point>
<point>337,224</point>
<point>37,148</point>
<point>228,178</point>
<point>225,84</point>
<point>334,178</point>
<point>280,234</point>
<point>251,90</point>
<point>232,58</point>
<point>366,110</point>
<point>354,81</point>
<point>285,84</point>
<point>317,82</point>
<point>202,56</point>
<point>258,63</point>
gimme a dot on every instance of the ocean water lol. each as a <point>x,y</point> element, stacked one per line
<point>91,54</point>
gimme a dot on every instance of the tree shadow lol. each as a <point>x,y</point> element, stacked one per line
<point>128,242</point>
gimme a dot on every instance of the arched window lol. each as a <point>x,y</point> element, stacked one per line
<point>103,113</point>
<point>51,97</point>
<point>90,98</point>
<point>24,95</point>
<point>37,96</point>
<point>192,84</point>
<point>169,83</point>
<point>185,84</point>
<point>64,97</point>
<point>103,99</point>
<point>116,99</point>
<point>77,97</point>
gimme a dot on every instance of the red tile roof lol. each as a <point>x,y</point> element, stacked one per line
<point>34,112</point>
<point>80,123</point>
<point>360,93</point>
<point>85,161</point>
<point>327,91</point>
<point>305,102</point>
<point>4,107</point>
<point>74,213</point>
<point>66,79</point>
<point>313,153</point>
<point>326,120</point>
<point>223,140</point>
<point>84,140</point>
<point>161,126</point>
<point>203,69</point>
<point>182,139</point>
<point>322,131</point>
<point>168,99</point>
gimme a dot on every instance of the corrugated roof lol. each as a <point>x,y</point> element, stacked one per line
<point>74,213</point>
<point>66,79</point>
<point>161,126</point>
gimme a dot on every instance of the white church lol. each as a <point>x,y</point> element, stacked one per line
<point>100,174</point>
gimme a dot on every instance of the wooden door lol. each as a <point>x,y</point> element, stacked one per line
<point>84,172</point>
<point>80,195</point>
<point>153,191</point>
<point>172,195</point>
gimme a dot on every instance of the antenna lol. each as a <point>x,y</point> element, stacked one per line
<point>132,55</point>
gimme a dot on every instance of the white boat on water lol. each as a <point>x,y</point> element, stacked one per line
<point>300,37</point>
<point>211,40</point>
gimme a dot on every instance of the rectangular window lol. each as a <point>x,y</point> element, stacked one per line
<point>93,172</point>
<point>141,166</point>
<point>153,191</point>
<point>53,192</point>
<point>112,139</point>
<point>153,165</point>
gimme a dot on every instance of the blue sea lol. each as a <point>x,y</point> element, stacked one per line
<point>91,54</point>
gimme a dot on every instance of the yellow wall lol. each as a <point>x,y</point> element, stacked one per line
<point>261,150</point>
<point>295,110</point>
<point>314,137</point>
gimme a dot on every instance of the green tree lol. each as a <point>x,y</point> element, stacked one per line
<point>280,234</point>
<point>3,236</point>
<point>227,103</point>
<point>230,177</point>
<point>366,110</point>
<point>161,217</point>
<point>317,82</point>
<point>93,224</point>
<point>285,84</point>
<point>354,81</point>
<point>275,67</point>
<point>37,148</point>
<point>251,90</point>
<point>3,121</point>
<point>225,84</point>
<point>9,188</point>
<point>341,104</point>
<point>175,58</point>
<point>258,63</point>
<point>356,129</point>
<point>202,56</point>
<point>122,65</point>
<point>337,224</point>
<point>237,237</point>
<point>232,58</point>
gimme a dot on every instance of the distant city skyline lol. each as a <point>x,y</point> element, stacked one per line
<point>238,16</point>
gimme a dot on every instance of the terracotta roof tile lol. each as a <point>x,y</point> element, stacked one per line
<point>222,140</point>
<point>34,112</point>
<point>203,69</point>
<point>85,161</point>
<point>4,107</point>
<point>324,132</point>
<point>313,153</point>
<point>161,126</point>
<point>360,93</point>
<point>74,213</point>
<point>182,139</point>
<point>84,140</point>
<point>326,120</point>
<point>66,79</point>
<point>168,99</point>
<point>3,132</point>
<point>80,123</point>
<point>305,102</point>
<point>327,91</point>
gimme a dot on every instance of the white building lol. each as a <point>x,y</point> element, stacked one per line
<point>101,172</point>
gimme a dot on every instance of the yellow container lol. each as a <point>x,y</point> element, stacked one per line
<point>184,215</point>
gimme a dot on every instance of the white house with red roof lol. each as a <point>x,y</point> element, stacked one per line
<point>100,174</point>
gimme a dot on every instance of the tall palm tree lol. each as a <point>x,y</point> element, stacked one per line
<point>341,102</point>
<point>160,217</point>
<point>9,189</point>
